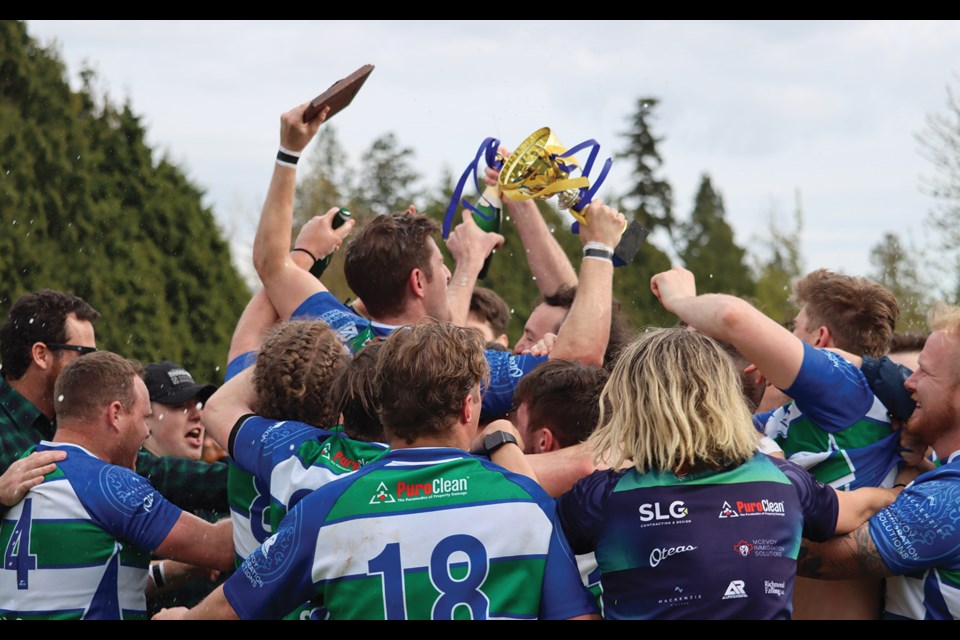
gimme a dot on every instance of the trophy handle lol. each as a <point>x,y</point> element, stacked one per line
<point>489,149</point>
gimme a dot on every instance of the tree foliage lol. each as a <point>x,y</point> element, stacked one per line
<point>86,208</point>
<point>781,267</point>
<point>708,248</point>
<point>940,144</point>
<point>897,268</point>
<point>650,199</point>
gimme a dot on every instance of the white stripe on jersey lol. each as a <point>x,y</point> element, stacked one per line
<point>244,541</point>
<point>290,476</point>
<point>358,541</point>
<point>71,588</point>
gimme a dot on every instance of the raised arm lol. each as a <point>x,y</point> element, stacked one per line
<point>258,316</point>
<point>233,400</point>
<point>469,245</point>
<point>549,264</point>
<point>287,283</point>
<point>774,350</point>
<point>584,334</point>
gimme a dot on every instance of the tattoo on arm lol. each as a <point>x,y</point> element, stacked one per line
<point>847,556</point>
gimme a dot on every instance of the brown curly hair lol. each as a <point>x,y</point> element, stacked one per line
<point>296,367</point>
<point>424,373</point>
<point>358,397</point>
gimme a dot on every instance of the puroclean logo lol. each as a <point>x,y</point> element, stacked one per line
<point>382,495</point>
<point>735,590</point>
<point>411,491</point>
<point>727,511</point>
<point>325,452</point>
<point>757,508</point>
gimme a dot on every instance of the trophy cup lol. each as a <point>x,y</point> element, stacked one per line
<point>541,167</point>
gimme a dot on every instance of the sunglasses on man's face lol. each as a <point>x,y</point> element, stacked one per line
<point>55,346</point>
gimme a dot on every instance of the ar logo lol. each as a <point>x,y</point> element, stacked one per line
<point>735,590</point>
<point>382,496</point>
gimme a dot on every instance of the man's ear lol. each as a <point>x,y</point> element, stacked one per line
<point>547,440</point>
<point>417,282</point>
<point>824,338</point>
<point>503,340</point>
<point>114,411</point>
<point>41,355</point>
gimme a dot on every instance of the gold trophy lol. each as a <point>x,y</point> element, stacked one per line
<point>540,168</point>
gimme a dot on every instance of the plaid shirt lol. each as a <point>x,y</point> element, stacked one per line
<point>21,425</point>
<point>192,485</point>
<point>189,484</point>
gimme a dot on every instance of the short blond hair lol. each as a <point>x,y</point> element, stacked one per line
<point>675,402</point>
<point>944,317</point>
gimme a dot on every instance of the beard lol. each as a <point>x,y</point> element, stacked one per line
<point>928,425</point>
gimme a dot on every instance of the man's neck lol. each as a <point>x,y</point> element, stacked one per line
<point>80,435</point>
<point>450,439</point>
<point>36,392</point>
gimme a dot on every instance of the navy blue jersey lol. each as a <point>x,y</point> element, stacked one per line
<point>709,545</point>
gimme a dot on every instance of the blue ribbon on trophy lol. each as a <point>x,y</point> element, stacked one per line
<point>487,212</point>
<point>540,168</point>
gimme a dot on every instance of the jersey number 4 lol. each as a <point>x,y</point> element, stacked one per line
<point>17,555</point>
<point>454,593</point>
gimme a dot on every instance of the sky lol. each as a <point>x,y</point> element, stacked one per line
<point>774,112</point>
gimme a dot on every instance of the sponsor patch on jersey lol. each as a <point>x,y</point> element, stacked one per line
<point>743,548</point>
<point>767,548</point>
<point>736,589</point>
<point>401,491</point>
<point>740,508</point>
<point>654,514</point>
<point>658,555</point>
<point>772,587</point>
<point>272,559</point>
<point>127,492</point>
<point>680,597</point>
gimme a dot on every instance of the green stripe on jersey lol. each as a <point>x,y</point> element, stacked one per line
<point>397,489</point>
<point>757,469</point>
<point>804,435</point>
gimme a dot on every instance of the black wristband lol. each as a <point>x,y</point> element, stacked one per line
<point>157,575</point>
<point>602,254</point>
<point>899,484</point>
<point>306,252</point>
<point>287,159</point>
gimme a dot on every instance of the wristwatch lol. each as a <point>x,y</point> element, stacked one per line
<point>493,441</point>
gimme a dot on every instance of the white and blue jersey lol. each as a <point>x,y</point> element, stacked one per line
<point>355,331</point>
<point>423,533</point>
<point>708,545</point>
<point>291,458</point>
<point>835,426</point>
<point>78,545</point>
<point>918,538</point>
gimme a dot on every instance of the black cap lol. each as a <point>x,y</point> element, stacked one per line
<point>169,383</point>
